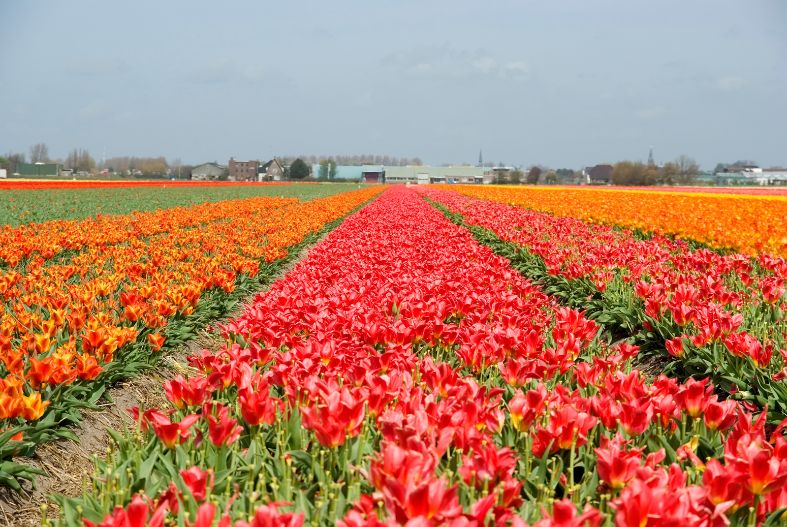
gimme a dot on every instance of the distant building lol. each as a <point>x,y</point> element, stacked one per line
<point>751,175</point>
<point>598,175</point>
<point>273,170</point>
<point>243,170</point>
<point>35,169</point>
<point>207,172</point>
<point>569,177</point>
<point>373,173</point>
<point>343,172</point>
<point>429,174</point>
<point>776,176</point>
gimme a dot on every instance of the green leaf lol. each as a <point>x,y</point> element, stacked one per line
<point>147,466</point>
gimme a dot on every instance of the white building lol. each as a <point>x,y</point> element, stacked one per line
<point>207,172</point>
<point>754,175</point>
<point>429,174</point>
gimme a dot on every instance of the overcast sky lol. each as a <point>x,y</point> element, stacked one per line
<point>562,83</point>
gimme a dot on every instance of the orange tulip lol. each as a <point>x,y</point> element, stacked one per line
<point>34,408</point>
<point>156,341</point>
<point>87,367</point>
<point>39,372</point>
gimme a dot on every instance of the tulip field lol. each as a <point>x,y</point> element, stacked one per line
<point>86,303</point>
<point>445,355</point>
<point>751,224</point>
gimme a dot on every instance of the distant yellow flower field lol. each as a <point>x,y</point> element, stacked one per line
<point>746,223</point>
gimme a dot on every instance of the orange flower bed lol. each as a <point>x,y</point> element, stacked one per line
<point>748,224</point>
<point>63,320</point>
<point>43,241</point>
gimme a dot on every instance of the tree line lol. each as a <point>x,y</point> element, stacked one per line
<point>363,159</point>
<point>137,165</point>
<point>681,171</point>
<point>80,160</point>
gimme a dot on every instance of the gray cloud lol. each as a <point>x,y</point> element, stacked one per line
<point>224,71</point>
<point>653,112</point>
<point>95,67</point>
<point>731,83</point>
<point>451,63</point>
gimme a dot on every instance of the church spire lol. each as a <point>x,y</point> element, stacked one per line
<point>481,158</point>
<point>650,157</point>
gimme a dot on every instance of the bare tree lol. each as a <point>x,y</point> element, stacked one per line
<point>72,159</point>
<point>175,166</point>
<point>687,170</point>
<point>39,153</point>
<point>13,159</point>
<point>670,173</point>
<point>533,174</point>
<point>79,159</point>
<point>634,173</point>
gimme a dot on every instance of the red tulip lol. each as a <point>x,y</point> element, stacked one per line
<point>258,408</point>
<point>675,346</point>
<point>564,514</point>
<point>269,516</point>
<point>134,515</point>
<point>170,433</point>
<point>720,415</point>
<point>566,427</point>
<point>205,515</point>
<point>191,392</point>
<point>223,430</point>
<point>724,485</point>
<point>615,465</point>
<point>693,396</point>
<point>198,481</point>
<point>524,409</point>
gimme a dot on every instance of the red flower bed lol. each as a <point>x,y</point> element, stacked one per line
<point>720,315</point>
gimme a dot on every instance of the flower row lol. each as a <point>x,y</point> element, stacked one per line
<point>34,244</point>
<point>719,315</point>
<point>748,224</point>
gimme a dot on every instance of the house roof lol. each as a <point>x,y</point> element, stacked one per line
<point>600,172</point>
<point>205,165</point>
<point>269,163</point>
